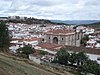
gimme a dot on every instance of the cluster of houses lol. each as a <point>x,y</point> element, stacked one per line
<point>24,34</point>
<point>94,41</point>
<point>50,38</point>
<point>85,30</point>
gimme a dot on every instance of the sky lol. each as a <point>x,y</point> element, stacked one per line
<point>52,9</point>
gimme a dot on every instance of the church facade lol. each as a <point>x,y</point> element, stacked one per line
<point>63,37</point>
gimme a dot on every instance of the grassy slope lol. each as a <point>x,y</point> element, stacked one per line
<point>9,66</point>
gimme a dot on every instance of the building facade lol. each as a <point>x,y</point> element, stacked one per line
<point>63,37</point>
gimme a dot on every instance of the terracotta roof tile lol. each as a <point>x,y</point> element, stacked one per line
<point>50,46</point>
<point>32,39</point>
<point>86,50</point>
<point>60,31</point>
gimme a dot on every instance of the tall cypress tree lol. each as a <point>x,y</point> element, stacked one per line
<point>4,37</point>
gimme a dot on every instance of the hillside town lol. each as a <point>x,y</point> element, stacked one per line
<point>49,39</point>
<point>52,37</point>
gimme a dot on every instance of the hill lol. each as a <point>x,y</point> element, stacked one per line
<point>10,65</point>
<point>94,25</point>
<point>33,21</point>
<point>3,17</point>
<point>77,22</point>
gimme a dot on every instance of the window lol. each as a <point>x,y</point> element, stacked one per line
<point>62,38</point>
<point>42,39</point>
<point>78,36</point>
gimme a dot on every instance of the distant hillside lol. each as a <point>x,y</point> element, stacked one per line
<point>3,17</point>
<point>34,21</point>
<point>94,25</point>
<point>77,22</point>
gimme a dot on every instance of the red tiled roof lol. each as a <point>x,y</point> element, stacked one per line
<point>49,46</point>
<point>86,50</point>
<point>32,39</point>
<point>27,39</point>
<point>60,31</point>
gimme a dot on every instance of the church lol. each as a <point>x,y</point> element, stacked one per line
<point>63,37</point>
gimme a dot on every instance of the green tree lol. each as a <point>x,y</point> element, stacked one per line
<point>43,52</point>
<point>91,67</point>
<point>81,58</point>
<point>25,51</point>
<point>72,58</point>
<point>84,40</point>
<point>62,56</point>
<point>4,37</point>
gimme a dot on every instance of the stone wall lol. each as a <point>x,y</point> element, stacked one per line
<point>71,40</point>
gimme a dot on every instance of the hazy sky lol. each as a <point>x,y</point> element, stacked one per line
<point>52,9</point>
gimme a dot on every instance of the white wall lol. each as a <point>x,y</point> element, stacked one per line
<point>91,56</point>
<point>35,59</point>
<point>33,43</point>
<point>94,57</point>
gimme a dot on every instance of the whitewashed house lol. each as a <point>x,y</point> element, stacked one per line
<point>32,41</point>
<point>91,43</point>
<point>36,58</point>
<point>89,31</point>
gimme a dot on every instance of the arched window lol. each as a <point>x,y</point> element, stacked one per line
<point>55,40</point>
<point>62,39</point>
<point>42,40</point>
